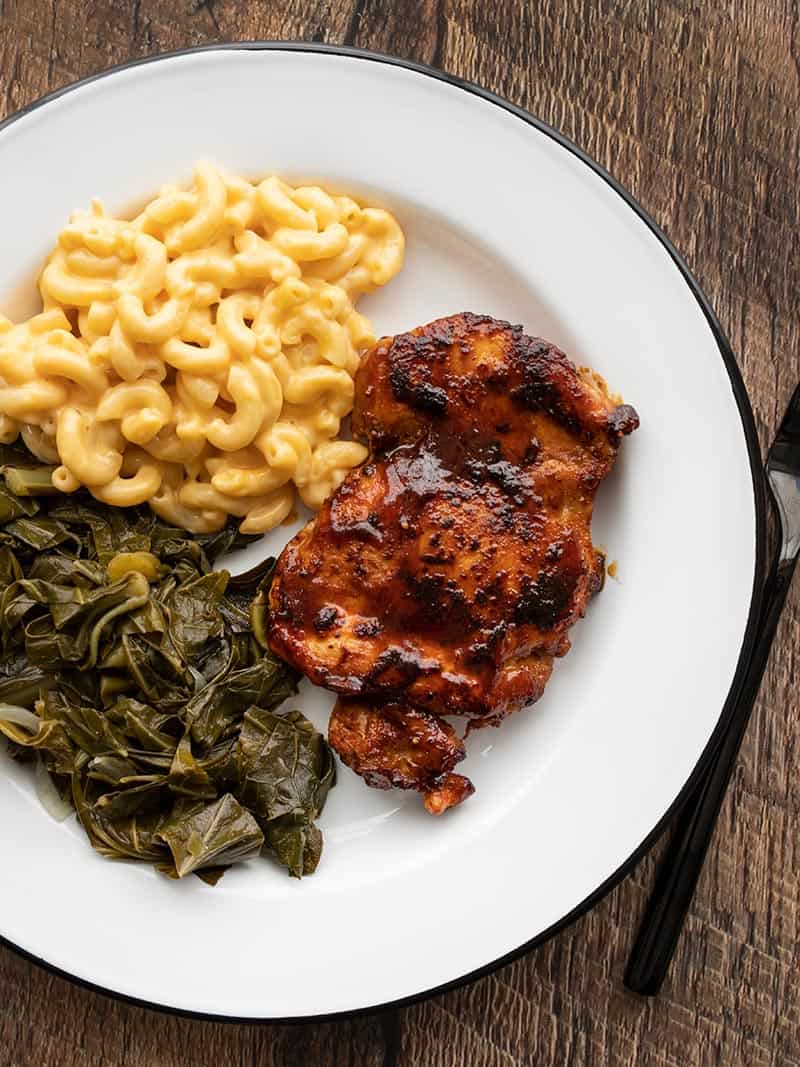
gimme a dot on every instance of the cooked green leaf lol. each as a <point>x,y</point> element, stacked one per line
<point>113,770</point>
<point>212,835</point>
<point>142,795</point>
<point>143,724</point>
<point>195,612</point>
<point>157,671</point>
<point>10,569</point>
<point>259,608</point>
<point>286,770</point>
<point>13,507</point>
<point>133,838</point>
<point>30,481</point>
<point>89,729</point>
<point>37,532</point>
<point>296,843</point>
<point>219,705</point>
<point>26,684</point>
<point>187,776</point>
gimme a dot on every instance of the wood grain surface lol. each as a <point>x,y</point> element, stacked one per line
<point>694,107</point>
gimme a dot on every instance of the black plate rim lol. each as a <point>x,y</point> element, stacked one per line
<point>759,499</point>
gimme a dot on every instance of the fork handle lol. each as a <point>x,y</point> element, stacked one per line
<point>680,868</point>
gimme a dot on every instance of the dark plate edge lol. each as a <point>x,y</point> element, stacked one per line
<point>759,495</point>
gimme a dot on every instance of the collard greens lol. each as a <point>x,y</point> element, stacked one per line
<point>153,693</point>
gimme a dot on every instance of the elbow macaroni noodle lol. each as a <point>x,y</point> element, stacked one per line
<point>200,357</point>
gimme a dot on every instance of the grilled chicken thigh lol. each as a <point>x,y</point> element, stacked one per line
<point>444,574</point>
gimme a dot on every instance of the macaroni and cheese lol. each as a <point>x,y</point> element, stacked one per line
<point>200,357</point>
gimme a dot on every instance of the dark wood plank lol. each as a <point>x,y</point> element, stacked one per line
<point>694,108</point>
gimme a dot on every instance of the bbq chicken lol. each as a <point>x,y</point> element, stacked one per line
<point>443,576</point>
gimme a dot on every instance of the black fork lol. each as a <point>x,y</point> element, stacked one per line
<point>680,868</point>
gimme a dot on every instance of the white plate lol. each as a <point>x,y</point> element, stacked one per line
<point>502,216</point>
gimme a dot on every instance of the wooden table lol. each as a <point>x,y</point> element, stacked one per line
<point>693,107</point>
